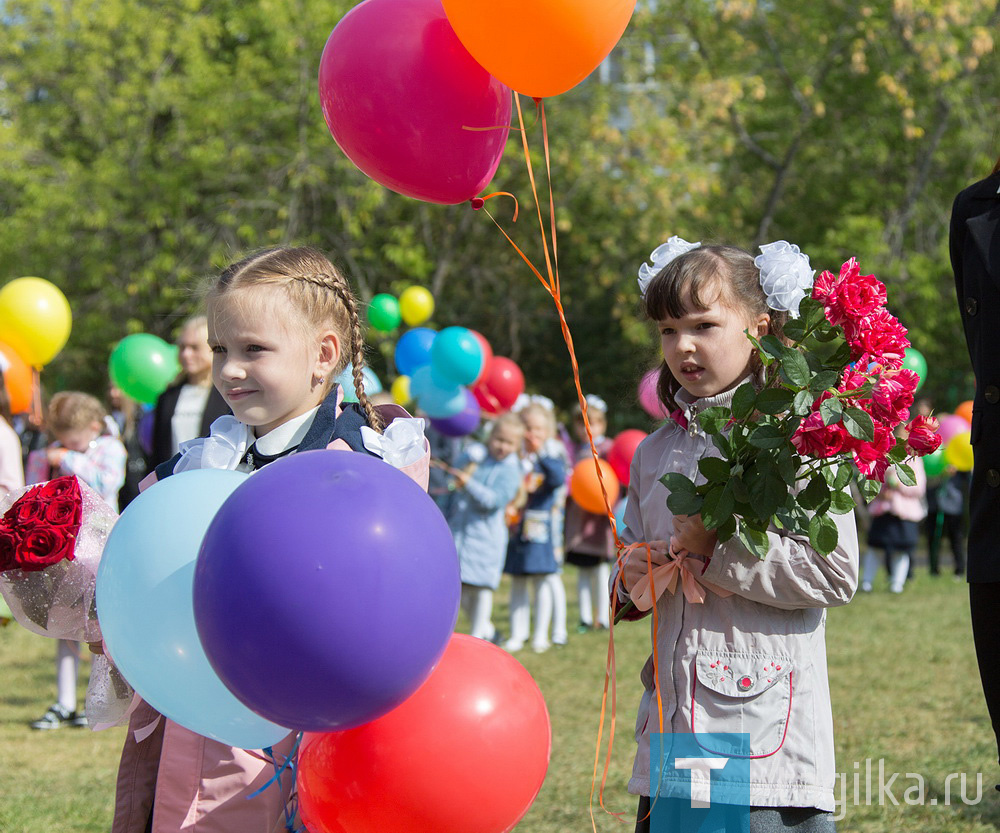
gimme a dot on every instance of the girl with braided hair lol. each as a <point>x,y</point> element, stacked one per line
<point>282,325</point>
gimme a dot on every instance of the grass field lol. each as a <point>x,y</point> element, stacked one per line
<point>905,685</point>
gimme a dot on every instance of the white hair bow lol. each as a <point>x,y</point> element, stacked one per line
<point>661,256</point>
<point>785,276</point>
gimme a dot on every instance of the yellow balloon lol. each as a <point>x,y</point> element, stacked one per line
<point>416,305</point>
<point>958,452</point>
<point>35,319</point>
<point>400,390</point>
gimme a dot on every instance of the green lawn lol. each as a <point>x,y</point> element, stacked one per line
<point>905,690</point>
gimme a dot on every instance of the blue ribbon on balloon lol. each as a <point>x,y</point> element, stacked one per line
<point>291,764</point>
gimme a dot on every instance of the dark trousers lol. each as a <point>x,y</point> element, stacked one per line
<point>940,526</point>
<point>984,605</point>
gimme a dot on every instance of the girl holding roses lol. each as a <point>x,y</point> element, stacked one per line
<point>739,658</point>
<point>88,447</point>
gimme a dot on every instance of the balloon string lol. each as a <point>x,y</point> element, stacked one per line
<point>278,770</point>
<point>36,396</point>
<point>553,287</point>
<point>504,126</point>
<point>479,202</point>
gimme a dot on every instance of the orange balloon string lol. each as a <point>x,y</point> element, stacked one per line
<point>552,285</point>
<point>479,202</point>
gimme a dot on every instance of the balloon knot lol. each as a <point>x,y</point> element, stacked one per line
<point>477,203</point>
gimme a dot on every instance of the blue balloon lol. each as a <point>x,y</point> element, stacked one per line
<point>620,508</point>
<point>413,350</point>
<point>145,604</point>
<point>372,384</point>
<point>456,357</point>
<point>436,401</point>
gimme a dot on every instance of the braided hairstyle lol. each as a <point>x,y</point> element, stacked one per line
<point>319,291</point>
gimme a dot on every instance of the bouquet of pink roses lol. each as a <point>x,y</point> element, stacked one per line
<point>835,400</point>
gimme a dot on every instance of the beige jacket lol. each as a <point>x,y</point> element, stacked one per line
<point>753,662</point>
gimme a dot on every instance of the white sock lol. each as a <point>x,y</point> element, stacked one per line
<point>599,582</point>
<point>554,582</point>
<point>67,662</point>
<point>520,609</point>
<point>900,566</point>
<point>584,582</point>
<point>870,567</point>
<point>543,610</point>
<point>482,617</point>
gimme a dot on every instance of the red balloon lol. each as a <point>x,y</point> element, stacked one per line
<point>623,450</point>
<point>467,752</point>
<point>487,355</point>
<point>399,94</point>
<point>498,390</point>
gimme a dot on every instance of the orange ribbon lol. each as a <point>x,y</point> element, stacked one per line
<point>665,577</point>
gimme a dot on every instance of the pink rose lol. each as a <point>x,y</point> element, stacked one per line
<point>878,338</point>
<point>893,395</point>
<point>823,286</point>
<point>872,457</point>
<point>854,296</point>
<point>922,437</point>
<point>814,439</point>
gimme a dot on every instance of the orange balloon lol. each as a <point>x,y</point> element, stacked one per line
<point>585,488</point>
<point>965,411</point>
<point>539,47</point>
<point>19,381</point>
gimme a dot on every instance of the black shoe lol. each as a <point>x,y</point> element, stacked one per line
<point>57,717</point>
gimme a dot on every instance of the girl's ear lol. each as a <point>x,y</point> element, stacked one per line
<point>763,324</point>
<point>328,355</point>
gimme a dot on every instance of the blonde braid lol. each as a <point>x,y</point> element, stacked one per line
<point>357,352</point>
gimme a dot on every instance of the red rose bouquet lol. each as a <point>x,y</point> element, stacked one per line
<point>833,409</point>
<point>51,539</point>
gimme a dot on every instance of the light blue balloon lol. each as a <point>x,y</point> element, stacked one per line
<point>436,401</point>
<point>372,384</point>
<point>620,508</point>
<point>456,357</point>
<point>413,350</point>
<point>145,604</point>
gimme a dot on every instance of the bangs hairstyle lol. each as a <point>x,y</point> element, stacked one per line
<point>321,295</point>
<point>689,283</point>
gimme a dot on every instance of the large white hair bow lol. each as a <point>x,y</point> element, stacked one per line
<point>785,276</point>
<point>661,256</point>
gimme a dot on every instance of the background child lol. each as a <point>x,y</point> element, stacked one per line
<point>531,553</point>
<point>730,663</point>
<point>895,527</point>
<point>946,508</point>
<point>484,484</point>
<point>11,461</point>
<point>283,324</point>
<point>590,544</point>
<point>86,444</point>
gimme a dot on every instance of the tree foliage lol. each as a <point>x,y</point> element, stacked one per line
<point>144,143</point>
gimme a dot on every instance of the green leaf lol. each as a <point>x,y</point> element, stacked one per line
<point>717,508</point>
<point>773,347</point>
<point>794,328</point>
<point>831,411</point>
<point>684,503</point>
<point>823,534</point>
<point>802,403</point>
<point>755,541</point>
<point>740,491</point>
<point>788,465</point>
<point>795,368</point>
<point>905,474</point>
<point>898,452</point>
<point>845,472</point>
<point>841,502</point>
<point>714,469</point>
<point>743,401</point>
<point>767,435</point>
<point>726,530</point>
<point>823,381</point>
<point>678,483</point>
<point>774,400</point>
<point>869,489</point>
<point>722,443</point>
<point>713,420</point>
<point>859,424</point>
<point>814,494</point>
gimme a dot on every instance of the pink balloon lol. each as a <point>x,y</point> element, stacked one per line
<point>949,426</point>
<point>648,399</point>
<point>399,91</point>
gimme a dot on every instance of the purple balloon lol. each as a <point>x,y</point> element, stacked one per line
<point>464,422</point>
<point>326,590</point>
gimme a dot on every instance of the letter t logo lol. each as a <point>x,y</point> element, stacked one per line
<point>701,779</point>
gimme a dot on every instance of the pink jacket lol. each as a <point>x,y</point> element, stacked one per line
<point>198,785</point>
<point>905,502</point>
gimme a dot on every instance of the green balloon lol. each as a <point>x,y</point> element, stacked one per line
<point>383,312</point>
<point>934,463</point>
<point>142,365</point>
<point>914,360</point>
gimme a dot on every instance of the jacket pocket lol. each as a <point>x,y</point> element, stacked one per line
<point>742,694</point>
